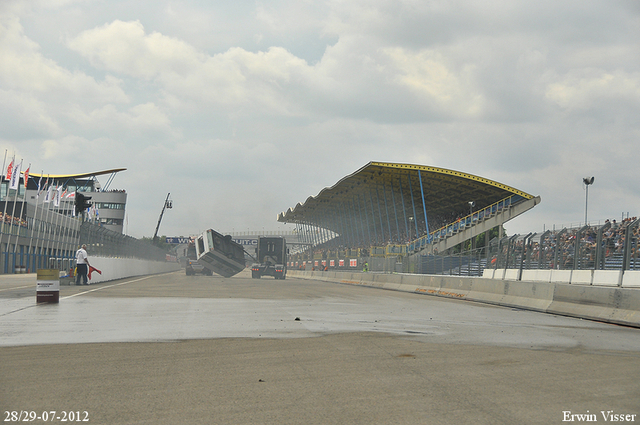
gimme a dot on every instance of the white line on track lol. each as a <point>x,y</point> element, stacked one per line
<point>17,287</point>
<point>105,287</point>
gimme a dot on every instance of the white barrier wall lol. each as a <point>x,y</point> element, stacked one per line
<point>604,303</point>
<point>629,279</point>
<point>118,268</point>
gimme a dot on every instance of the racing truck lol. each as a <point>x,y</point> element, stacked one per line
<point>220,254</point>
<point>271,258</point>
<point>191,264</point>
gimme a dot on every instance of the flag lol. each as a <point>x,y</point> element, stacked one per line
<point>71,195</point>
<point>39,183</point>
<point>57,195</point>
<point>26,176</point>
<point>47,197</point>
<point>15,178</point>
<point>9,168</point>
<point>45,185</point>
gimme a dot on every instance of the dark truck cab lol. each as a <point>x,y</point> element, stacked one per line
<point>192,266</point>
<point>271,258</point>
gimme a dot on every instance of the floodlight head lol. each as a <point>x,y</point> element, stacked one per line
<point>588,180</point>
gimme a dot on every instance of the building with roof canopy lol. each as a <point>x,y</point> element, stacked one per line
<point>109,206</point>
<point>406,208</point>
<point>35,234</point>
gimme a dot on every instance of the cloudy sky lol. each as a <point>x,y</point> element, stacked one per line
<point>241,109</point>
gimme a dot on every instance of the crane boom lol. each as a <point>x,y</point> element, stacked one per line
<point>167,204</point>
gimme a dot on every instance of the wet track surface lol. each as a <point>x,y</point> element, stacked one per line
<point>328,353</point>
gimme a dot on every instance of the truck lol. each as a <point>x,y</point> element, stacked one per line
<point>271,258</point>
<point>220,254</point>
<point>191,264</point>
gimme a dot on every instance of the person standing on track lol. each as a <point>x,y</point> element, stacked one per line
<point>82,265</point>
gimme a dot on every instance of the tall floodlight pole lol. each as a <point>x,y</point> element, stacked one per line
<point>167,204</point>
<point>587,182</point>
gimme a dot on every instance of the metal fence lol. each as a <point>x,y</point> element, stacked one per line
<point>606,247</point>
<point>469,263</point>
<point>107,243</point>
<point>44,238</point>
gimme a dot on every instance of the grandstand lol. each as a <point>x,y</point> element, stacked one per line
<point>419,219</point>
<point>391,210</point>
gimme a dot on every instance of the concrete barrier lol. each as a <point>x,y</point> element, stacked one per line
<point>631,279</point>
<point>602,303</point>
<point>606,277</point>
<point>511,274</point>
<point>119,268</point>
<point>582,277</point>
<point>560,276</point>
<point>536,275</point>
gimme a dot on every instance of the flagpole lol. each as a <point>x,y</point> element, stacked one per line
<point>59,197</point>
<point>24,211</point>
<point>50,243</point>
<point>54,242</point>
<point>71,220</point>
<point>13,213</point>
<point>46,253</point>
<point>35,223</point>
<point>67,234</point>
<point>41,227</point>
<point>4,162</point>
<point>4,213</point>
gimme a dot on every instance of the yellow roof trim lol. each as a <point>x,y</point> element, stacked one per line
<point>77,176</point>
<point>452,173</point>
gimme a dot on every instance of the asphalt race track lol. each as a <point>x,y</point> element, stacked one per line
<point>176,349</point>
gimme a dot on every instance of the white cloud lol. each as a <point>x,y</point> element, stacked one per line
<point>233,78</point>
<point>588,88</point>
<point>427,77</point>
<point>275,81</point>
<point>243,96</point>
<point>23,116</point>
<point>138,120</point>
<point>25,68</point>
<point>124,47</point>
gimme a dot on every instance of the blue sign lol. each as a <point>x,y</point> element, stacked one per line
<point>178,241</point>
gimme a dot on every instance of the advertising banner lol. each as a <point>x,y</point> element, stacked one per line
<point>48,286</point>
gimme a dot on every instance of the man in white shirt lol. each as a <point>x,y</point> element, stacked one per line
<point>82,265</point>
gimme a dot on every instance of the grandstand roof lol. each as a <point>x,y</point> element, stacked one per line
<point>78,176</point>
<point>382,191</point>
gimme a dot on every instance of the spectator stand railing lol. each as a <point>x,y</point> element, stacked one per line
<point>464,223</point>
<point>598,248</point>
<point>585,248</point>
